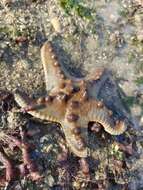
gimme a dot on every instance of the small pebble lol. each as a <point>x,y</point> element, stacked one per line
<point>56,24</point>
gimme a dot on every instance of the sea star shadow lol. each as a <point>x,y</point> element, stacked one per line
<point>70,103</point>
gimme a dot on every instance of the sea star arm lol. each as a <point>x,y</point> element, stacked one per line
<point>54,75</point>
<point>76,136</point>
<point>95,111</point>
<point>80,112</point>
<point>99,113</point>
<point>75,132</point>
<point>45,108</point>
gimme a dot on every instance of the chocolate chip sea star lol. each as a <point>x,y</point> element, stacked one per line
<point>67,103</point>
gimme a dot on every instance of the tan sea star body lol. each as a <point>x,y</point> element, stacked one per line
<point>68,103</point>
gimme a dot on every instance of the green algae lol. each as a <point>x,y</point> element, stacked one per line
<point>74,5</point>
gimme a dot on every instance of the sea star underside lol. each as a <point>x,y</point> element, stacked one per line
<point>67,103</point>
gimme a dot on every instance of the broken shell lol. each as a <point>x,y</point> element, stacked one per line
<point>140,36</point>
<point>56,24</point>
<point>6,2</point>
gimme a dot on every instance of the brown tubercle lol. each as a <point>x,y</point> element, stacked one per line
<point>110,112</point>
<point>53,56</point>
<point>41,100</point>
<point>50,49</point>
<point>72,117</point>
<point>74,104</point>
<point>62,76</point>
<point>69,88</point>
<point>80,144</point>
<point>100,104</point>
<point>62,85</point>
<point>56,64</point>
<point>76,130</point>
<point>48,99</point>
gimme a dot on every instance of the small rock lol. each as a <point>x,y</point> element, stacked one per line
<point>141,120</point>
<point>140,2</point>
<point>136,110</point>
<point>140,35</point>
<point>50,180</point>
<point>56,24</point>
<point>6,2</point>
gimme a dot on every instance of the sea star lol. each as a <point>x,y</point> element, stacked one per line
<point>68,103</point>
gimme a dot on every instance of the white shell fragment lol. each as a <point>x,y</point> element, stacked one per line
<point>56,24</point>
